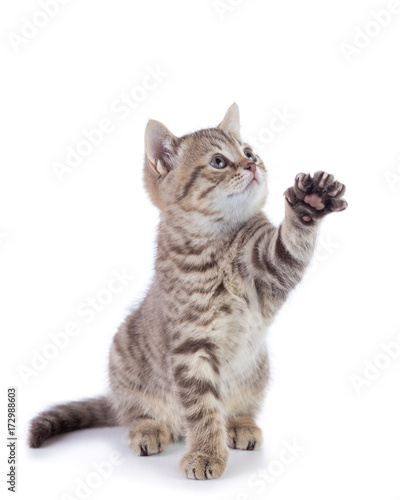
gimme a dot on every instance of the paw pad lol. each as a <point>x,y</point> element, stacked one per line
<point>313,197</point>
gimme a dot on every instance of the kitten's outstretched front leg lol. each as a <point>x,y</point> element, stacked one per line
<point>308,201</point>
<point>278,257</point>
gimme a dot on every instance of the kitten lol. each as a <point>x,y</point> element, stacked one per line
<point>191,361</point>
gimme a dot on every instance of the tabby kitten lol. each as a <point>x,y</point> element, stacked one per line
<point>191,360</point>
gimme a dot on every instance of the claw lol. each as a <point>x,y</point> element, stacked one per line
<point>336,191</point>
<point>322,181</point>
<point>286,194</point>
<point>299,180</point>
<point>339,205</point>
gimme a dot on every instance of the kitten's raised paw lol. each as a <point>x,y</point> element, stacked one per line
<point>313,197</point>
<point>197,465</point>
<point>148,437</point>
<point>243,434</point>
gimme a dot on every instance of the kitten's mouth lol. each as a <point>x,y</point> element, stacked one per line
<point>252,183</point>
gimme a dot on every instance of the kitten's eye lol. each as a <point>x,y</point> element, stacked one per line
<point>218,161</point>
<point>250,155</point>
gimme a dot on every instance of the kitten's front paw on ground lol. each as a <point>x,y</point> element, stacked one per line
<point>314,197</point>
<point>244,435</point>
<point>197,465</point>
<point>148,438</point>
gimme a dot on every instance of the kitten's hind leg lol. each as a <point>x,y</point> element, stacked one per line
<point>148,437</point>
<point>244,434</point>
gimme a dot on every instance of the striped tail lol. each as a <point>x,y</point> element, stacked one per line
<point>67,417</point>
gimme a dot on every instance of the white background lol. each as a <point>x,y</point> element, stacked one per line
<point>61,241</point>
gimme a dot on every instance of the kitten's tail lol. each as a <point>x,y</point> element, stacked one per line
<point>67,417</point>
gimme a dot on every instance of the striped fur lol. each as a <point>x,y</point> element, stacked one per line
<point>67,417</point>
<point>191,360</point>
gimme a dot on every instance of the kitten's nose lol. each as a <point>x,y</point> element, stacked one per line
<point>251,166</point>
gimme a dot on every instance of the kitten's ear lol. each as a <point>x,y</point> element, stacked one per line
<point>161,146</point>
<point>231,121</point>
